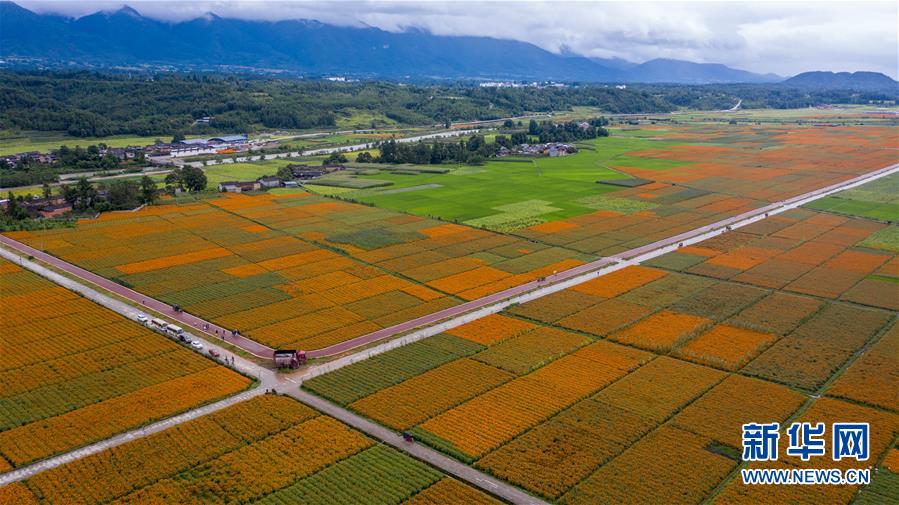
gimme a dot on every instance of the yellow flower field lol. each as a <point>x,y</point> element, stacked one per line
<point>73,372</point>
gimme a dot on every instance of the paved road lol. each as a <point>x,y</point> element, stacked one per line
<point>549,284</point>
<point>289,385</point>
<point>401,140</point>
<point>418,451</point>
<point>267,380</point>
<point>191,322</point>
<point>29,471</point>
<point>659,247</point>
<point>325,150</point>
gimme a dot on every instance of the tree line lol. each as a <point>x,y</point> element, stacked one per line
<point>476,149</point>
<point>547,131</point>
<point>91,104</point>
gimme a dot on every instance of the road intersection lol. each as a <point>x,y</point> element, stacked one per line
<point>288,384</point>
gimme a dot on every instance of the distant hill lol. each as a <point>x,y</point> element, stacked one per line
<point>865,81</point>
<point>125,37</point>
<point>686,72</point>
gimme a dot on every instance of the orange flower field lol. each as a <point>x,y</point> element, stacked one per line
<point>630,387</point>
<point>697,354</point>
<point>276,267</point>
<point>726,346</point>
<point>266,449</point>
<point>451,490</point>
<point>78,373</point>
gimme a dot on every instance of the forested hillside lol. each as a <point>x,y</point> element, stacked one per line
<point>94,105</point>
<point>86,104</point>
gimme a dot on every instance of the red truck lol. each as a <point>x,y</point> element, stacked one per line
<point>289,358</point>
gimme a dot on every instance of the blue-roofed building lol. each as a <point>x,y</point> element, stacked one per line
<point>227,139</point>
<point>193,142</point>
<point>230,138</point>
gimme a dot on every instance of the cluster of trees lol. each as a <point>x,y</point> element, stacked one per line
<point>547,131</point>
<point>335,159</point>
<point>84,196</point>
<point>86,159</point>
<point>759,96</point>
<point>474,150</point>
<point>116,195</point>
<point>186,179</point>
<point>27,171</point>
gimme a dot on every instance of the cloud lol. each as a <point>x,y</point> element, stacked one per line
<point>780,37</point>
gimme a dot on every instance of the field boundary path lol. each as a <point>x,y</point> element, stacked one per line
<point>33,469</point>
<point>493,303</point>
<point>447,464</point>
<point>287,385</point>
<point>192,322</point>
<point>268,380</point>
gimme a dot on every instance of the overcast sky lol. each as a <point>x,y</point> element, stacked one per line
<point>781,37</point>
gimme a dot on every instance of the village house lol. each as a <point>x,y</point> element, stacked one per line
<point>551,149</point>
<point>313,172</point>
<point>269,181</point>
<point>123,153</point>
<point>238,186</point>
<point>55,210</point>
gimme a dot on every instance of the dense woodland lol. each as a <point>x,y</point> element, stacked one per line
<point>86,104</point>
<point>89,104</point>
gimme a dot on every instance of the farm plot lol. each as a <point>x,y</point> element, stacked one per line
<point>804,252</point>
<point>703,173</point>
<point>591,421</point>
<point>299,271</point>
<point>695,174</point>
<point>73,372</point>
<point>874,378</point>
<point>557,454</point>
<point>884,427</point>
<point>269,449</point>
<point>875,200</point>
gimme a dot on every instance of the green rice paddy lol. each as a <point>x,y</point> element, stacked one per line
<point>878,199</point>
<point>504,195</point>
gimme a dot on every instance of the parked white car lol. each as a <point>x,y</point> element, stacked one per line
<point>142,318</point>
<point>196,344</point>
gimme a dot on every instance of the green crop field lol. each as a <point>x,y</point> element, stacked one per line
<point>11,143</point>
<point>243,171</point>
<point>497,194</point>
<point>854,113</point>
<point>876,200</point>
<point>355,118</point>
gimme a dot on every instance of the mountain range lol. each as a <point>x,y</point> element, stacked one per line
<point>842,80</point>
<point>126,38</point>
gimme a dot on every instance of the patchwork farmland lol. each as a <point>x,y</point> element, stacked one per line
<point>571,395</point>
<point>630,387</point>
<point>689,174</point>
<point>282,451</point>
<point>74,372</point>
<point>299,271</point>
